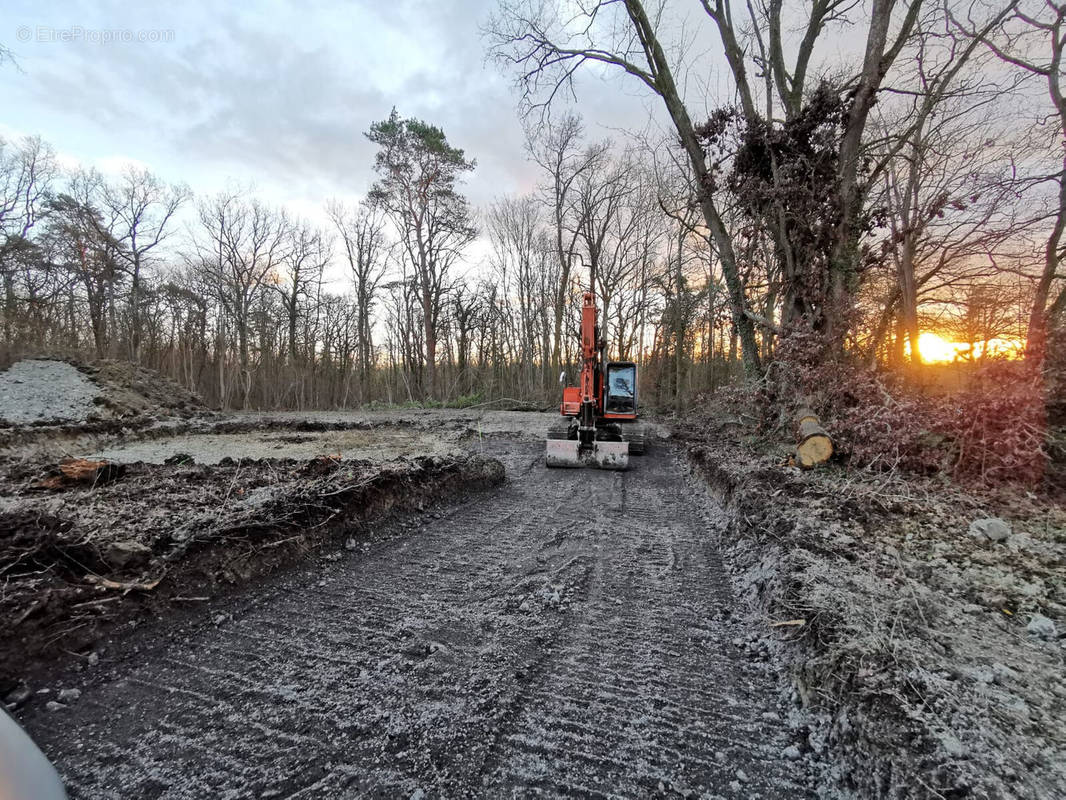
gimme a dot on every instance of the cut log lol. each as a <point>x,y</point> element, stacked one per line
<point>814,444</point>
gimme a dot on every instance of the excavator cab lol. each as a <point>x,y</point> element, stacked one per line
<point>620,391</point>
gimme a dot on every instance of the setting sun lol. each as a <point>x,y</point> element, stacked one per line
<point>935,349</point>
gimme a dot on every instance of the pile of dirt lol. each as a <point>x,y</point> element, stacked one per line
<point>84,547</point>
<point>130,390</point>
<point>45,392</point>
<point>49,392</point>
<point>921,625</point>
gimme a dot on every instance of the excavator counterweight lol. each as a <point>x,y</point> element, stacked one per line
<point>599,427</point>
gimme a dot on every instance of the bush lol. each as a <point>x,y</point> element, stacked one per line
<point>994,432</point>
<point>466,400</point>
<point>999,426</point>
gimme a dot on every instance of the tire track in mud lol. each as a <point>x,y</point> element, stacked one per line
<point>560,637</point>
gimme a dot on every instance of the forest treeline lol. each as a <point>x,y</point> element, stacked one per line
<point>846,203</point>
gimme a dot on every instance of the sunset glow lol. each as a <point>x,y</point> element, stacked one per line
<point>935,349</point>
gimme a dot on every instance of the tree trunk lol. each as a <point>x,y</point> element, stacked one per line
<point>813,445</point>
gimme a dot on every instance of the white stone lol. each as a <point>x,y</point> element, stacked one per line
<point>993,529</point>
<point>1041,626</point>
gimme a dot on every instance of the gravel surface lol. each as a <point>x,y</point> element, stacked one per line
<point>45,392</point>
<point>379,444</point>
<point>567,636</point>
<point>488,422</point>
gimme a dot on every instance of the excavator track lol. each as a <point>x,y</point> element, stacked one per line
<point>636,436</point>
<point>559,430</point>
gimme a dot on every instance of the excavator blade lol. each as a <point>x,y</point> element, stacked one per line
<point>563,453</point>
<point>610,455</point>
<point>570,453</point>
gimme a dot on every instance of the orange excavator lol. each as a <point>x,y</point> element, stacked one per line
<point>599,426</point>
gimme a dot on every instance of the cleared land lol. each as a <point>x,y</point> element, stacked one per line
<point>407,603</point>
<point>561,634</point>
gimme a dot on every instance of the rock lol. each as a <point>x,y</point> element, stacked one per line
<point>1020,542</point>
<point>981,674</point>
<point>17,696</point>
<point>792,753</point>
<point>93,659</point>
<point>952,746</point>
<point>127,554</point>
<point>742,775</point>
<point>69,695</point>
<point>1001,673</point>
<point>993,529</point>
<point>52,705</point>
<point>1041,626</point>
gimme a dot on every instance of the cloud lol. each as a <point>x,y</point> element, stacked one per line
<point>279,94</point>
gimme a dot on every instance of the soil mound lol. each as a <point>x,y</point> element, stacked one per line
<point>42,392</point>
<point>128,390</point>
<point>51,392</point>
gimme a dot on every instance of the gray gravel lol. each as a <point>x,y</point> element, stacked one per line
<point>564,636</point>
<point>45,391</point>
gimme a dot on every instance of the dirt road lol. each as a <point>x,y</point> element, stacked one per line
<point>566,635</point>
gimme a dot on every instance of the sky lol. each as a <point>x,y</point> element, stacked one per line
<point>272,94</point>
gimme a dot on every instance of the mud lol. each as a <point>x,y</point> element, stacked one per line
<point>79,560</point>
<point>145,436</point>
<point>561,636</point>
<point>33,392</point>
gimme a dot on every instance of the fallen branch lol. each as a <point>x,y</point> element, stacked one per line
<point>107,583</point>
<point>761,320</point>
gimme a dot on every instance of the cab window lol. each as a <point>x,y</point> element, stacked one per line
<point>621,388</point>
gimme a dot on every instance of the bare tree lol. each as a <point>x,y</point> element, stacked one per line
<point>1031,37</point>
<point>548,50</point>
<point>513,226</point>
<point>557,149</point>
<point>143,210</point>
<point>81,241</point>
<point>367,252</point>
<point>241,244</point>
<point>305,257</point>
<point>27,173</point>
